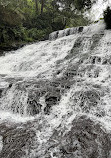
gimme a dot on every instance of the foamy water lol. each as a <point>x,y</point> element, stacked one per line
<point>74,69</point>
<point>96,12</point>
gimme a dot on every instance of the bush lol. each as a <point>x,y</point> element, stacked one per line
<point>36,34</point>
<point>107,17</point>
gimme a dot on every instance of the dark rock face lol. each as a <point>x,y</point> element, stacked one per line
<point>86,138</point>
<point>1,90</point>
<point>33,107</point>
<point>17,140</point>
<point>11,47</point>
<point>26,97</point>
<point>51,100</point>
<point>80,29</point>
<point>87,99</point>
<point>107,17</point>
<point>10,85</point>
<point>66,32</point>
<point>105,61</point>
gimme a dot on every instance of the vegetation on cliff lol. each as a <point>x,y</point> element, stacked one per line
<point>23,21</point>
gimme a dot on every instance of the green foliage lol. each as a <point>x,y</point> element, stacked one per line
<point>33,20</point>
<point>81,4</point>
<point>9,17</point>
<point>36,34</point>
<point>78,20</point>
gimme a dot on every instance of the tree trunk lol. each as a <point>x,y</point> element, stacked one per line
<point>42,6</point>
<point>36,4</point>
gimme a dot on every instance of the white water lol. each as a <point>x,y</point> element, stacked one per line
<point>96,12</point>
<point>37,59</point>
<point>42,60</point>
<point>91,85</point>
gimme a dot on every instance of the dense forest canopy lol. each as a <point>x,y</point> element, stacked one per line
<point>31,20</point>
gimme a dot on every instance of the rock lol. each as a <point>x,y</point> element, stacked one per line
<point>1,143</point>
<point>104,62</point>
<point>33,107</point>
<point>93,60</point>
<point>86,100</point>
<point>17,139</point>
<point>86,139</point>
<point>10,47</point>
<point>80,29</point>
<point>1,90</point>
<point>99,59</point>
<point>10,85</point>
<point>50,101</point>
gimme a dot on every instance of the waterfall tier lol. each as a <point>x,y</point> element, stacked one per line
<point>55,96</point>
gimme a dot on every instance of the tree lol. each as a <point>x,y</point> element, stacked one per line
<point>82,4</point>
<point>42,6</point>
<point>30,20</point>
<point>36,4</point>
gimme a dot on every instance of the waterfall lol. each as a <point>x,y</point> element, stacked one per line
<point>55,96</point>
<point>96,11</point>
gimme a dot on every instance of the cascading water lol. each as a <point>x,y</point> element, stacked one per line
<point>96,11</point>
<point>55,96</point>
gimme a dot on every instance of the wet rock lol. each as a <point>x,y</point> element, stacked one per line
<point>93,60</point>
<point>10,85</point>
<point>86,138</point>
<point>96,73</point>
<point>1,143</point>
<point>81,61</point>
<point>100,113</point>
<point>55,84</point>
<point>17,140</point>
<point>95,40</point>
<point>53,35</point>
<point>10,47</point>
<point>50,101</point>
<point>104,62</point>
<point>70,73</point>
<point>33,107</point>
<point>86,99</point>
<point>1,90</point>
<point>58,72</point>
<point>68,32</point>
<point>80,29</point>
<point>98,59</point>
<point>47,110</point>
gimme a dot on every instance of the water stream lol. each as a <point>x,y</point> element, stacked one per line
<point>55,96</point>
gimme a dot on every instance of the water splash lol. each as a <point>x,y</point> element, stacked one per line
<point>96,12</point>
<point>51,90</point>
